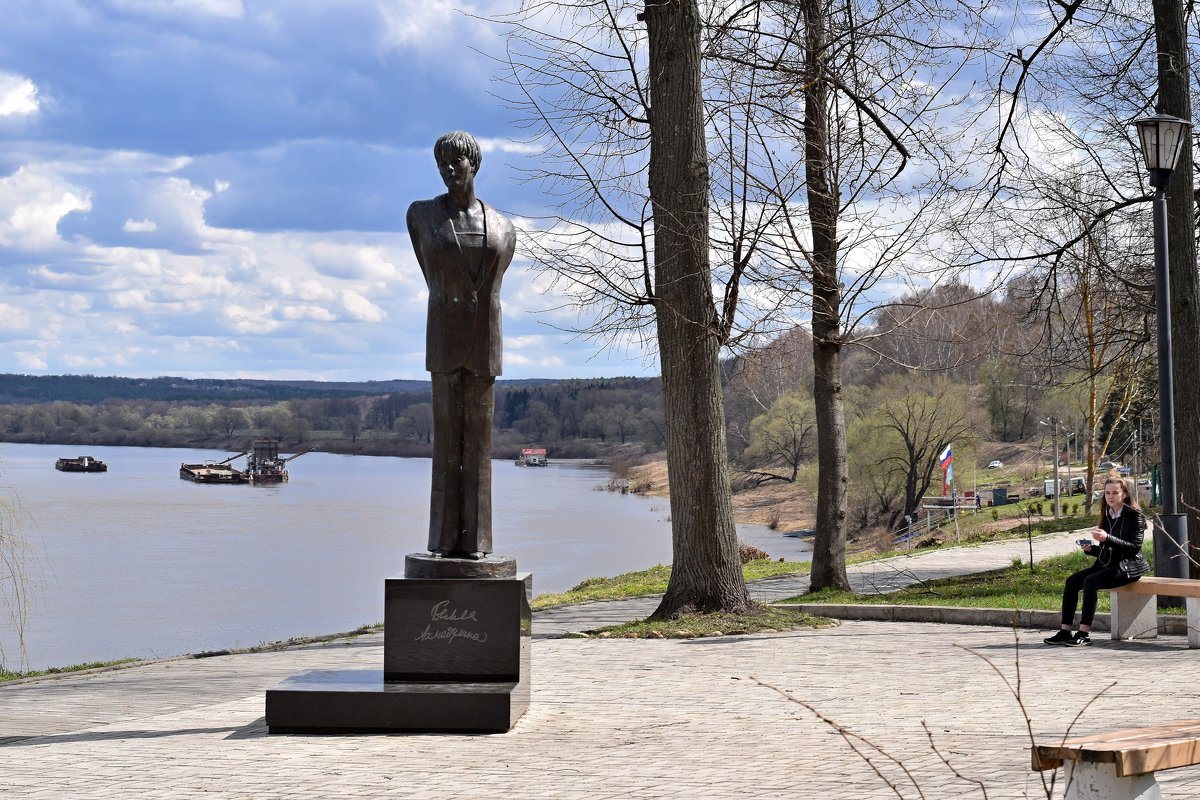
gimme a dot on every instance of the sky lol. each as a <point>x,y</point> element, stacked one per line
<point>217,188</point>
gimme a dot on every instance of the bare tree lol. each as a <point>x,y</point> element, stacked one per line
<point>15,582</point>
<point>816,110</point>
<point>1112,64</point>
<point>856,166</point>
<point>783,436</point>
<point>914,419</point>
<point>705,569</point>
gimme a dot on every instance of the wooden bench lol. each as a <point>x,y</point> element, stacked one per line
<point>1135,607</point>
<point>1121,765</point>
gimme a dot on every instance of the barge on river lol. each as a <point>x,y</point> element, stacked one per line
<point>212,472</point>
<point>532,457</point>
<point>80,464</point>
<point>263,466</point>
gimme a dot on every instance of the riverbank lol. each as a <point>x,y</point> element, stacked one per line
<point>791,507</point>
<point>783,507</point>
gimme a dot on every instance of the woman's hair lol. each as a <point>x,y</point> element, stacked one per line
<point>459,143</point>
<point>1126,488</point>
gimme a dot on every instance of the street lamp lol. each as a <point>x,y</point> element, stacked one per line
<point>1162,138</point>
<point>1054,439</point>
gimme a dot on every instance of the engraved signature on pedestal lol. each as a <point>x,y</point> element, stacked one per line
<point>443,612</point>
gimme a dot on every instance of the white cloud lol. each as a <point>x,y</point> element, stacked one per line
<point>139,226</point>
<point>509,146</point>
<point>521,342</point>
<point>551,362</point>
<point>13,319</point>
<point>132,300</point>
<point>408,24</point>
<point>75,304</point>
<point>362,309</point>
<point>47,276</point>
<point>309,291</point>
<point>352,261</point>
<point>307,312</point>
<point>18,95</point>
<point>31,205</point>
<point>85,362</point>
<point>251,321</point>
<point>33,362</point>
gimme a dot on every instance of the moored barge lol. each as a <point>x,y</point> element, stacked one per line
<point>532,457</point>
<point>212,472</point>
<point>80,464</point>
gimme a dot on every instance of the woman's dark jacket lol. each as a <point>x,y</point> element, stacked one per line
<point>1122,549</point>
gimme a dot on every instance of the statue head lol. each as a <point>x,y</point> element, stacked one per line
<point>458,143</point>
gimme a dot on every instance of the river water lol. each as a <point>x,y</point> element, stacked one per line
<point>135,562</point>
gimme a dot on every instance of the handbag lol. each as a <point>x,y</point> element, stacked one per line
<point>1134,566</point>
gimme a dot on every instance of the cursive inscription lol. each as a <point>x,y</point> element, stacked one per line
<point>443,612</point>
<point>449,634</point>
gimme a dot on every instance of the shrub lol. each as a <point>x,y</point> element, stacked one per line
<point>748,552</point>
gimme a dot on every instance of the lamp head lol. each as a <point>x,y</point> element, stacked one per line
<point>1162,137</point>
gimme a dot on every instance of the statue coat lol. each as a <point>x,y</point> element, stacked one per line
<point>463,327</point>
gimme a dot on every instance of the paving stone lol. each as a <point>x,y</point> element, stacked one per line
<point>774,715</point>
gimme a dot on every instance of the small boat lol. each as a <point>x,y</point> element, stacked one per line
<point>80,464</point>
<point>532,457</point>
<point>212,472</point>
<point>801,534</point>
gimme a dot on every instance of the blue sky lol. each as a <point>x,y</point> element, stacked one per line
<point>216,188</point>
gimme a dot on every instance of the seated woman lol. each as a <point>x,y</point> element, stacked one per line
<point>1119,560</point>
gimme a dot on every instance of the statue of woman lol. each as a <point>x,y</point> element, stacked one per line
<point>463,247</point>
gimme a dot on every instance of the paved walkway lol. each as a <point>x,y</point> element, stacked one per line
<point>725,717</point>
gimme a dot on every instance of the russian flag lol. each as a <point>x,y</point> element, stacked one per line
<point>947,468</point>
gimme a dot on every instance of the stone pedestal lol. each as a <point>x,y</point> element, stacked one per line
<point>455,658</point>
<point>1133,616</point>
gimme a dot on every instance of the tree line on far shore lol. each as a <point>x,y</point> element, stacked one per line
<point>574,418</point>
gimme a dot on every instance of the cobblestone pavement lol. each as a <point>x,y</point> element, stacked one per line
<point>723,717</point>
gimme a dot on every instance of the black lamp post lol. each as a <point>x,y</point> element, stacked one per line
<point>1057,483</point>
<point>1162,138</point>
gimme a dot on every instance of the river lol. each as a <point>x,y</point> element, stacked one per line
<point>137,563</point>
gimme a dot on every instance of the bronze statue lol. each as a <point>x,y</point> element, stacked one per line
<point>463,247</point>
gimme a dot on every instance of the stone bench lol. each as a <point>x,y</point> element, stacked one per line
<point>1120,765</point>
<point>1135,607</point>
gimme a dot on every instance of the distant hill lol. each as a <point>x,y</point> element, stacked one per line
<point>90,389</point>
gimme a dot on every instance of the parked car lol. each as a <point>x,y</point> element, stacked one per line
<point>1143,483</point>
<point>1108,464</point>
<point>995,464</point>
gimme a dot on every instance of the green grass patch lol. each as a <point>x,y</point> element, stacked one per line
<point>6,675</point>
<point>641,583</point>
<point>1017,586</point>
<point>976,536</point>
<point>759,619</point>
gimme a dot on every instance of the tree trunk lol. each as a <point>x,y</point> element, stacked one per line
<point>1173,98</point>
<point>706,573</point>
<point>829,546</point>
